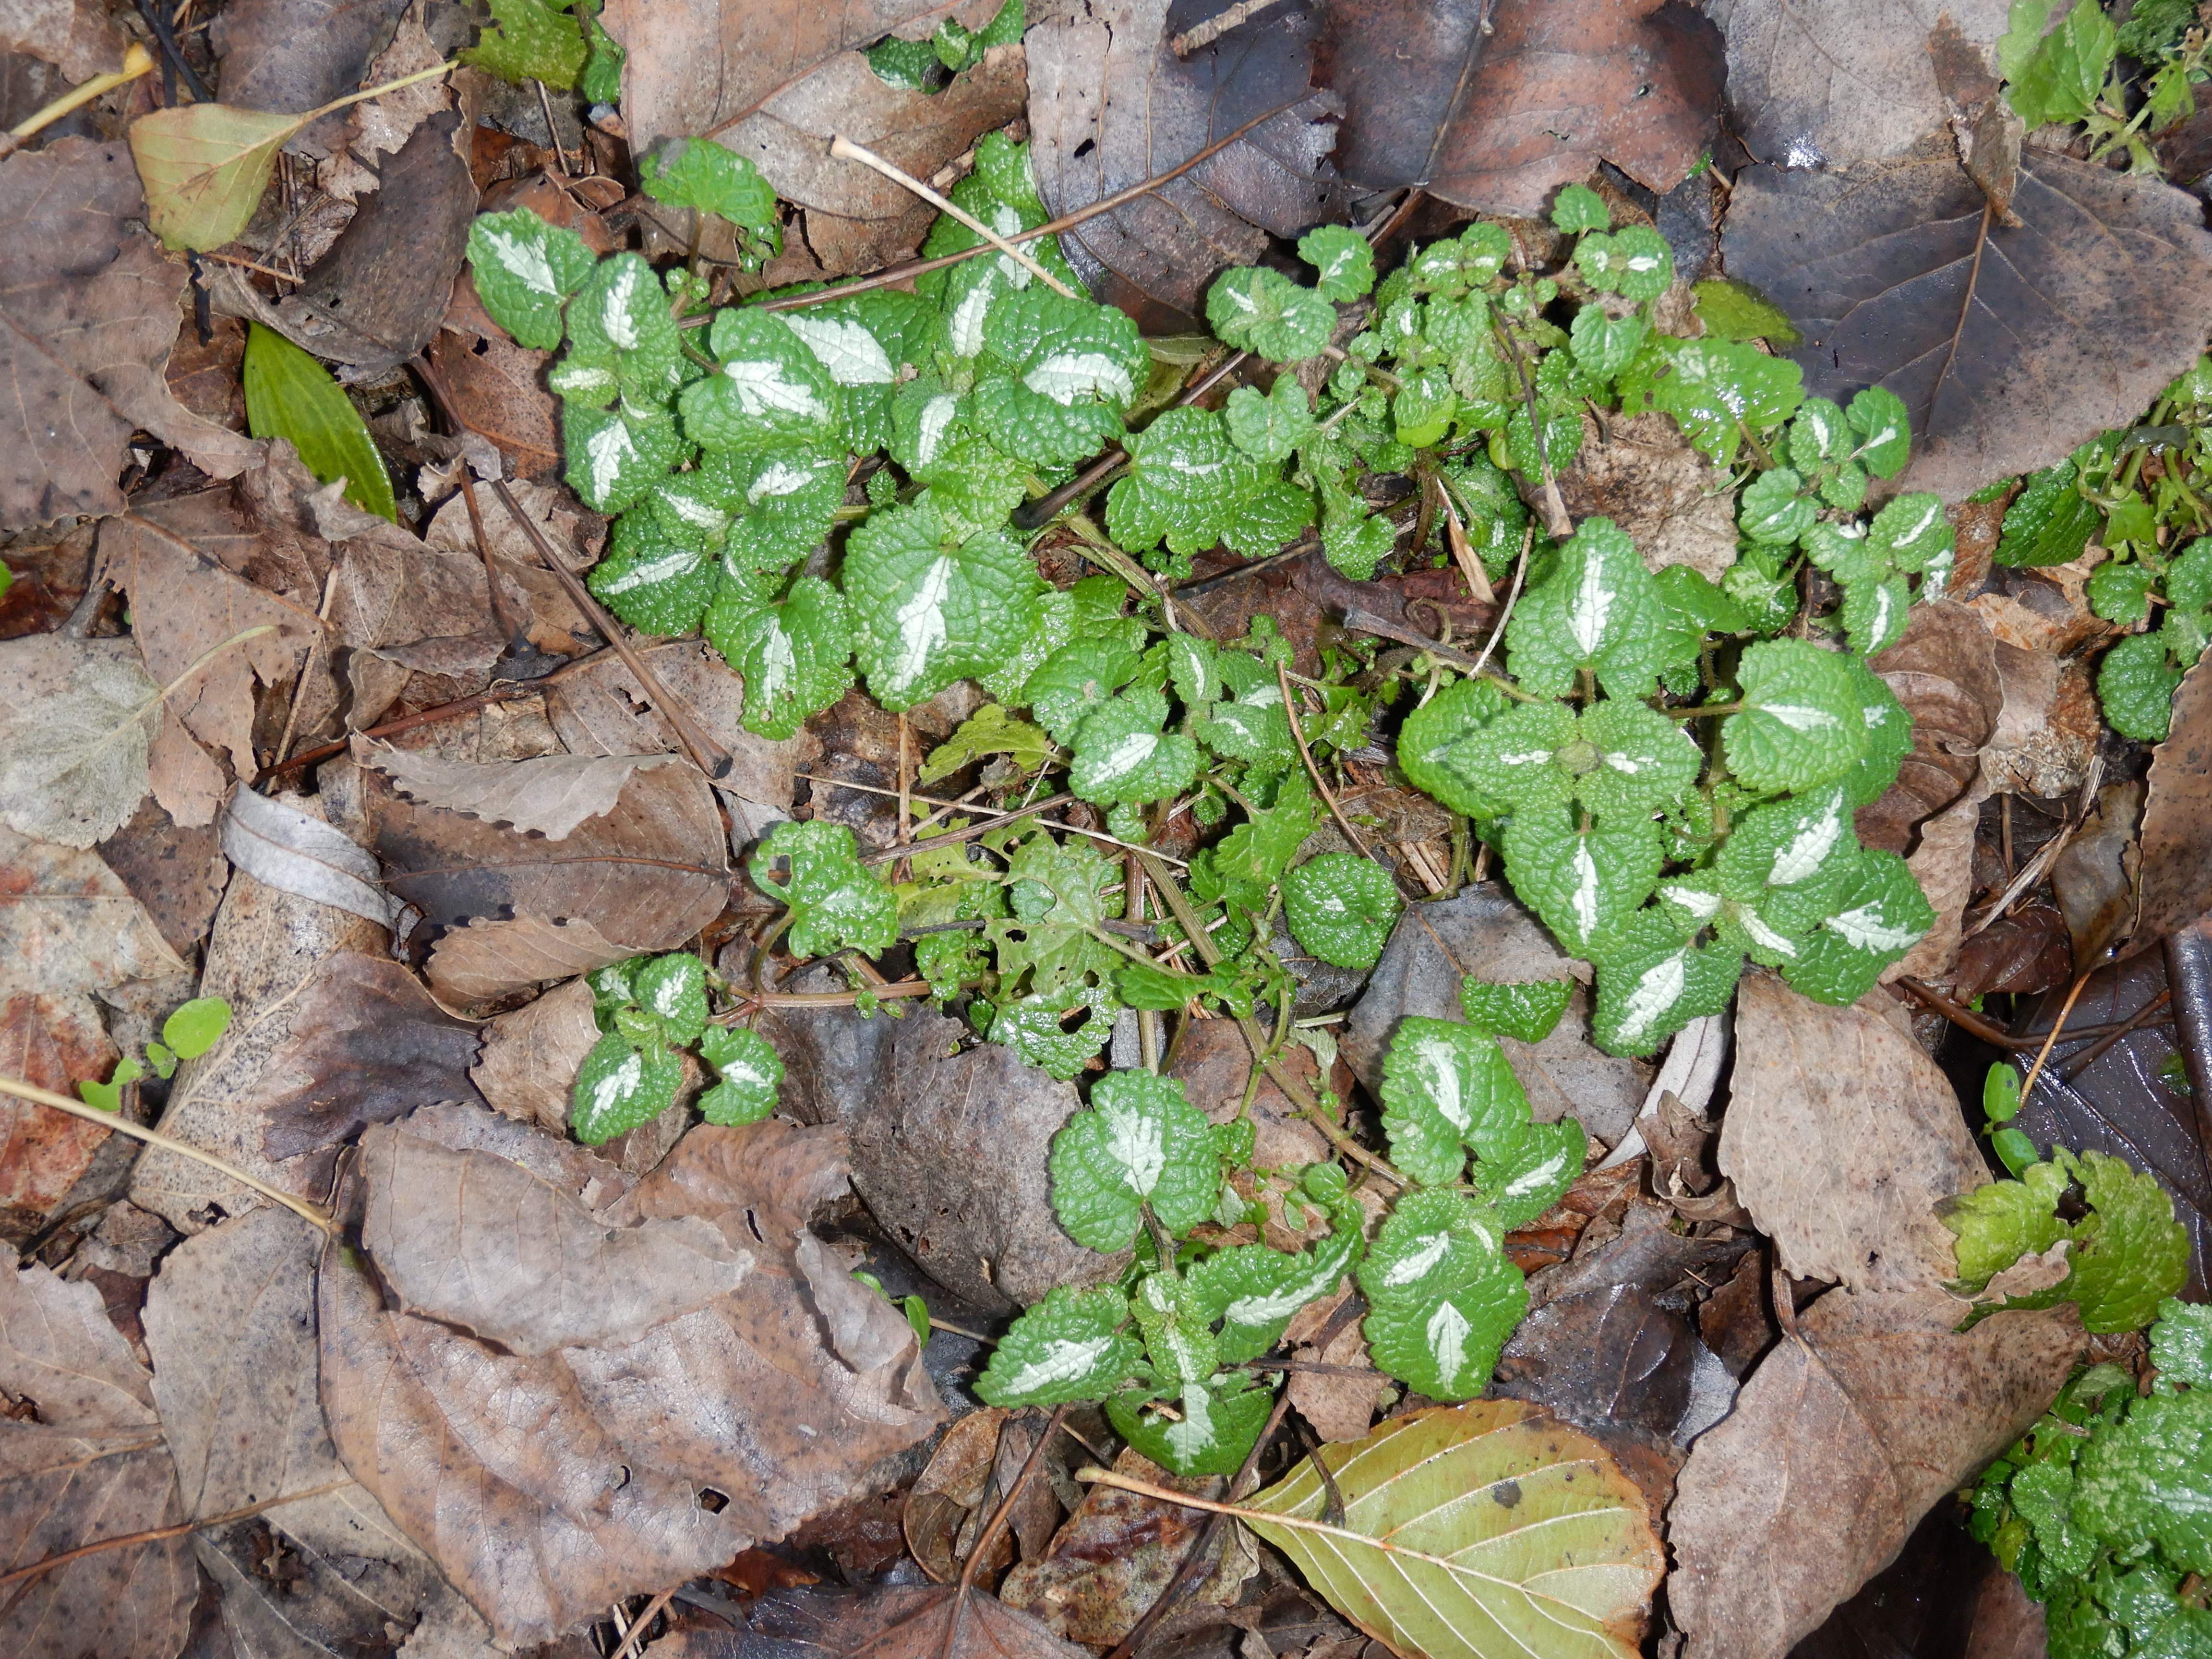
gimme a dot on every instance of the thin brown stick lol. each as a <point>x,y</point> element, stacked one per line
<point>706,755</point>
<point>634,1641</point>
<point>2027,1085</point>
<point>121,1125</point>
<point>1305,754</point>
<point>2089,1056</point>
<point>1966,304</point>
<point>507,629</point>
<point>155,1535</point>
<point>1512,596</point>
<point>1193,1566</point>
<point>842,149</point>
<point>973,830</point>
<point>313,653</point>
<point>1030,1466</point>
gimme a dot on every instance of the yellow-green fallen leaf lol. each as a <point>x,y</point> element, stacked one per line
<point>204,166</point>
<point>291,396</point>
<point>1480,1531</point>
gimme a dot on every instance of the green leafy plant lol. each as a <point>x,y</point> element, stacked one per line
<point>290,395</point>
<point>1175,1347</point>
<point>2101,1507</point>
<point>929,64</point>
<point>649,1009</point>
<point>193,1029</point>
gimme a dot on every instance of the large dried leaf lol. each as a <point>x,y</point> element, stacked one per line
<point>652,872</point>
<point>1474,1530</point>
<point>293,56</point>
<point>546,1488</point>
<point>367,1045</point>
<point>1837,1446</point>
<point>1494,107</point>
<point>487,959</point>
<point>1111,105</point>
<point>548,796</point>
<point>1484,933</point>
<point>902,1622</point>
<point>185,604</point>
<point>89,1464</point>
<point>1842,1136</point>
<point>701,69</point>
<point>1833,86</point>
<point>948,1146</point>
<point>77,718</point>
<point>2071,324</point>
<point>88,316</point>
<point>476,1242</point>
<point>78,35</point>
<point>1108,1564</point>
<point>2176,831</point>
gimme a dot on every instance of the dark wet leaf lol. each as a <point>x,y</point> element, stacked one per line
<point>1495,105</point>
<point>1111,105</point>
<point>2073,322</point>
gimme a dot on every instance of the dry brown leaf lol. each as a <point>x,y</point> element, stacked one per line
<point>292,56</point>
<point>531,1056</point>
<point>1943,865</point>
<point>1338,1407</point>
<point>267,947</point>
<point>1944,670</point>
<point>185,604</point>
<point>1837,1446</point>
<point>2177,838</point>
<point>548,797</point>
<point>1647,477</point>
<point>488,959</point>
<point>483,1244</point>
<point>1111,105</point>
<point>903,1622</point>
<point>284,844</point>
<point>699,69</point>
<point>948,1148</point>
<point>1495,108</point>
<point>90,1463</point>
<point>652,872</point>
<point>1842,1136</point>
<point>856,219</point>
<point>497,388</point>
<point>367,1045</point>
<point>546,1488</point>
<point>90,313</point>
<point>56,1043</point>
<point>944,1506</point>
<point>78,36</point>
<point>1116,1554</point>
<point>383,125</point>
<point>76,720</point>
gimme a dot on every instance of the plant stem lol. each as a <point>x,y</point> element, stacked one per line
<point>842,149</point>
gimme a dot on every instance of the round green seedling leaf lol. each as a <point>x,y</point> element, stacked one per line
<point>195,1026</point>
<point>1341,907</point>
<point>751,1073</point>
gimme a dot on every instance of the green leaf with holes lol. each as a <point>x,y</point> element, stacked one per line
<point>524,270</point>
<point>1072,1345</point>
<point>1263,311</point>
<point>794,655</point>
<point>1341,909</point>
<point>1446,1088</point>
<point>1525,1010</point>
<point>1801,723</point>
<point>927,610</point>
<point>836,901</point>
<point>1138,1143</point>
<point>1123,754</point>
<point>1036,1027</point>
<point>750,1072</point>
<point>621,1086</point>
<point>767,390</point>
<point>1580,881</point>
<point>989,730</point>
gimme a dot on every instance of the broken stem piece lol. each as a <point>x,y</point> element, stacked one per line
<point>136,61</point>
<point>844,150</point>
<point>1313,771</point>
<point>121,1125</point>
<point>154,1536</point>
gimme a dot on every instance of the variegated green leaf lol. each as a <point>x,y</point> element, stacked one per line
<point>928,611</point>
<point>1138,1143</point>
<point>1072,1345</point>
<point>524,272</point>
<point>1800,723</point>
<point>1580,881</point>
<point>1446,1088</point>
<point>794,654</point>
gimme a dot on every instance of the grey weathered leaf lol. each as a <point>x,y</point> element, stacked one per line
<point>285,848</point>
<point>548,796</point>
<point>487,959</point>
<point>2074,321</point>
<point>479,1242</point>
<point>76,718</point>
